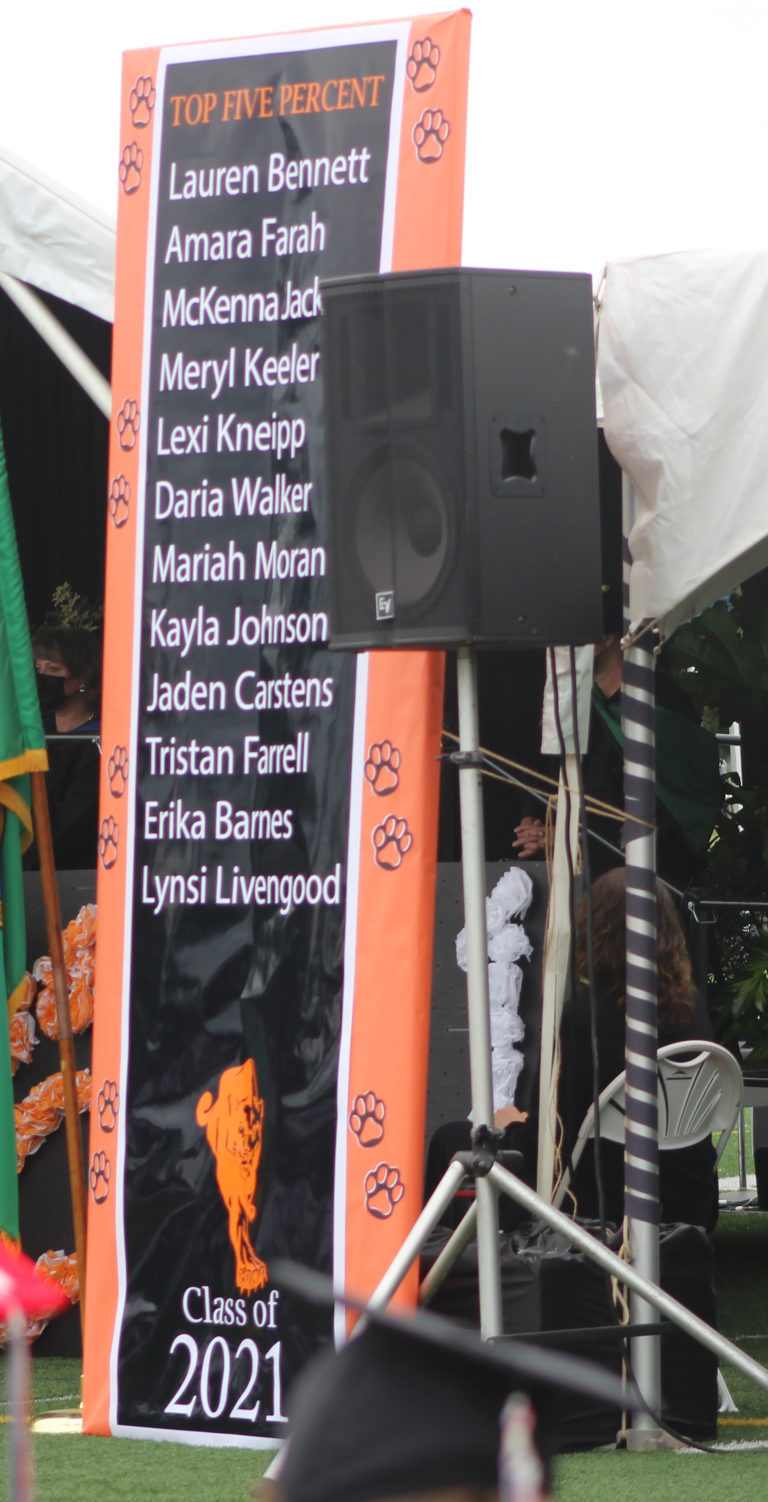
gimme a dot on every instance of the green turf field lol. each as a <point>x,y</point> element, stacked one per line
<point>74,1468</point>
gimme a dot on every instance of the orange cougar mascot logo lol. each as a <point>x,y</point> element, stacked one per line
<point>234,1128</point>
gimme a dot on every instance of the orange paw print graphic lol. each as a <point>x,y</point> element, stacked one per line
<point>117,771</point>
<point>99,1175</point>
<point>391,841</point>
<point>366,1119</point>
<point>421,67</point>
<point>430,134</point>
<point>141,102</point>
<point>384,1189</point>
<point>128,422</point>
<point>131,163</point>
<point>119,499</point>
<point>108,1105</point>
<point>109,838</point>
<point>382,768</point>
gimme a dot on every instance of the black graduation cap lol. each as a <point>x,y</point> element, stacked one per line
<point>412,1402</point>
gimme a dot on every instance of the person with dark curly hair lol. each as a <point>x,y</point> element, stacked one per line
<point>68,666</point>
<point>687,1178</point>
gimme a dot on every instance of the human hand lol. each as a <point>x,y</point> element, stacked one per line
<point>508,1116</point>
<point>531,837</point>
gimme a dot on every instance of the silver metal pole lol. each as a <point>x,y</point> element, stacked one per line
<point>724,1349</point>
<point>451,1252</point>
<point>417,1235</point>
<point>641,1151</point>
<point>641,1146</point>
<point>58,339</point>
<point>473,875</point>
<point>742,1146</point>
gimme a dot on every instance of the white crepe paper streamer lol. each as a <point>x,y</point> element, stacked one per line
<point>507,1026</point>
<point>515,987</point>
<point>461,949</point>
<point>495,917</point>
<point>504,1077</point>
<point>499,984</point>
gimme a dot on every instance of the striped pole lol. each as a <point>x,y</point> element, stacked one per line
<point>641,1152</point>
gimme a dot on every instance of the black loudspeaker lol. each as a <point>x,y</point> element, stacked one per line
<point>461,459</point>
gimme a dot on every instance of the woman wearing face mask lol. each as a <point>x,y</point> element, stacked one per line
<point>68,665</point>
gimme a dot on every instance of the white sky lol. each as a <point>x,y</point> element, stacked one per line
<point>597,128</point>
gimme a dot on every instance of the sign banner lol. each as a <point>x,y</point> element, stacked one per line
<point>241,890</point>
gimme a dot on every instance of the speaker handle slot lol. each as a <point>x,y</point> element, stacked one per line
<point>518,454</point>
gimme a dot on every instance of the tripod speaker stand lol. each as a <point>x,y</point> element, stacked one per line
<point>485,1140</point>
<point>463,510</point>
<point>485,1163</point>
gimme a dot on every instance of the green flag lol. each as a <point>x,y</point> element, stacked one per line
<point>22,750</point>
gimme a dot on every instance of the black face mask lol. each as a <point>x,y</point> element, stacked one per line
<point>50,692</point>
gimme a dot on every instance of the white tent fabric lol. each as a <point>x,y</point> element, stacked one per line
<point>682,362</point>
<point>557,712</point>
<point>53,240</point>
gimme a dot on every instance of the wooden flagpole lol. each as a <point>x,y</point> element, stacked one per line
<point>42,824</point>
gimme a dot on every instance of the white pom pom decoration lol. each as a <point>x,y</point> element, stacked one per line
<point>511,944</point>
<point>507,943</point>
<point>513,891</point>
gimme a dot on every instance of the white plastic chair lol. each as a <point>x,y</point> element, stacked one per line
<point>700,1090</point>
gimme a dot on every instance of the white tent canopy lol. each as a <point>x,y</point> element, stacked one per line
<point>683,355</point>
<point>55,241</point>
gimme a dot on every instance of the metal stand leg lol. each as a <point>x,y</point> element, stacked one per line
<point>662,1302</point>
<point>742,1141</point>
<point>473,873</point>
<point>645,1433</point>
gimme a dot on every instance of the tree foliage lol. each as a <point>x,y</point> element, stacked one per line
<point>68,608</point>
<point>720,660</point>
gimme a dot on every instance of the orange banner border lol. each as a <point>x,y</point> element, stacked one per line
<point>393,939</point>
<point>388,1034</point>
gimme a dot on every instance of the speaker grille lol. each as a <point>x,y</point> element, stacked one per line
<point>393,361</point>
<point>395,460</point>
<point>399,528</point>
